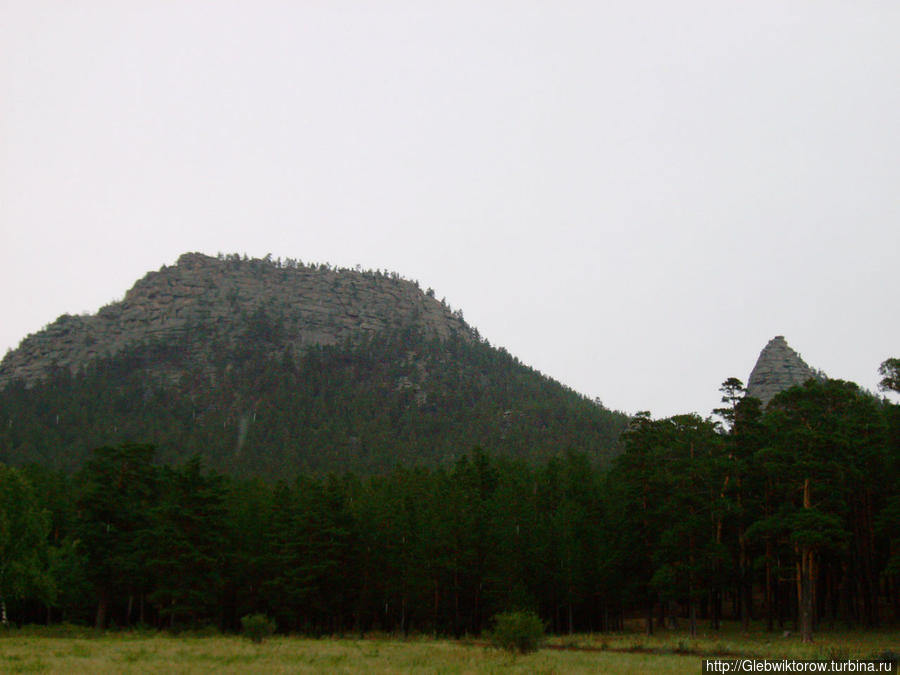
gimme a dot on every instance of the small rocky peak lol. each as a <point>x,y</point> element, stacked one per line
<point>778,368</point>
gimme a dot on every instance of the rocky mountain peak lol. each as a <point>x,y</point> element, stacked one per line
<point>778,368</point>
<point>310,305</point>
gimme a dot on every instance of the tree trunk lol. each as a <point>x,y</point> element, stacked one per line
<point>457,632</point>
<point>717,567</point>
<point>716,600</point>
<point>805,581</point>
<point>404,620</point>
<point>746,591</point>
<point>770,618</point>
<point>436,607</point>
<point>869,579</point>
<point>805,596</point>
<point>102,607</point>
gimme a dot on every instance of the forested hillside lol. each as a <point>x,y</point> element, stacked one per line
<point>386,399</point>
<point>788,516</point>
<point>272,368</point>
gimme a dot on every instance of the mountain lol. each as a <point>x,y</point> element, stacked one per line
<point>778,368</point>
<point>314,305</point>
<point>271,368</point>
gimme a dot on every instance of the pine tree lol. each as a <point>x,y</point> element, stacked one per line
<point>118,492</point>
<point>185,539</point>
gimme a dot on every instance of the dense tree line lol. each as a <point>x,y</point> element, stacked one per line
<point>787,515</point>
<point>126,541</point>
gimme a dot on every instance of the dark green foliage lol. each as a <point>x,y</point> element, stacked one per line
<point>185,543</point>
<point>890,372</point>
<point>24,529</point>
<point>826,448</point>
<point>118,490</point>
<point>251,408</point>
<point>521,632</point>
<point>257,627</point>
<point>787,514</point>
<point>672,476</point>
<point>787,500</point>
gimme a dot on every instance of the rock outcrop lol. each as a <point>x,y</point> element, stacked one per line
<point>310,305</point>
<point>778,368</point>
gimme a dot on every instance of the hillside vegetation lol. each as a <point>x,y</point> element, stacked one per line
<point>388,399</point>
<point>781,515</point>
<point>274,369</point>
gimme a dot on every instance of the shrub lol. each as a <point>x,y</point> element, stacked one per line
<point>257,627</point>
<point>521,632</point>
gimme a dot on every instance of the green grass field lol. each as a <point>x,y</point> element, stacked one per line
<point>74,651</point>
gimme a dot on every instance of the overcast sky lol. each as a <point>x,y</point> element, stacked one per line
<point>632,197</point>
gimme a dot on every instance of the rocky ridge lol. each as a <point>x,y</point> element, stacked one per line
<point>311,305</point>
<point>778,368</point>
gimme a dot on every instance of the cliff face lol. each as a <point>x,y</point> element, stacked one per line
<point>778,368</point>
<point>312,306</point>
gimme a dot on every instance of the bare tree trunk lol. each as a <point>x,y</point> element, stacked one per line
<point>769,613</point>
<point>457,630</point>
<point>404,624</point>
<point>870,576</point>
<point>436,607</point>
<point>805,581</point>
<point>717,567</point>
<point>716,601</point>
<point>805,596</point>
<point>782,598</point>
<point>746,593</point>
<point>102,606</point>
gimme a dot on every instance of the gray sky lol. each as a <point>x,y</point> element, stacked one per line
<point>632,197</point>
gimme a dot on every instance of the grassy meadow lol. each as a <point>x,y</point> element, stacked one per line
<point>72,651</point>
